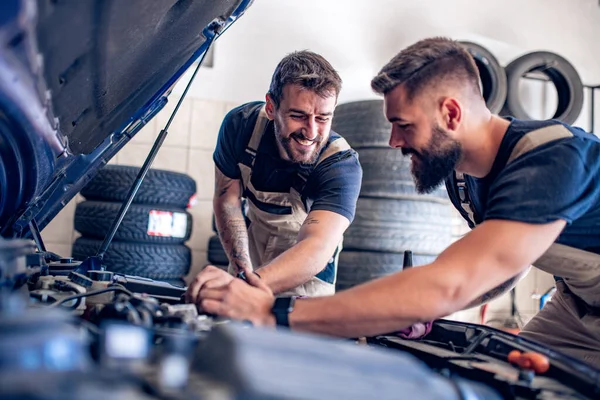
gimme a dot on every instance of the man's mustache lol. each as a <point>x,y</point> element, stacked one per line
<point>300,135</point>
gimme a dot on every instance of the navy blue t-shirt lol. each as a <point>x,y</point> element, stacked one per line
<point>557,180</point>
<point>333,185</point>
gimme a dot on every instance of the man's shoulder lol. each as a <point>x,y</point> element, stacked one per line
<point>244,112</point>
<point>240,120</point>
<point>341,159</point>
<point>336,139</point>
<point>525,137</point>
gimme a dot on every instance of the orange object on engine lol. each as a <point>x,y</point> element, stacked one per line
<point>535,361</point>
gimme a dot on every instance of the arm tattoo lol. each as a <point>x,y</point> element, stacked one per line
<point>497,291</point>
<point>311,221</point>
<point>234,236</point>
<point>225,188</point>
<point>222,184</point>
<point>231,224</point>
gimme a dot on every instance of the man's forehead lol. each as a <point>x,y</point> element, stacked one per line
<point>297,98</point>
<point>399,106</point>
<point>396,103</point>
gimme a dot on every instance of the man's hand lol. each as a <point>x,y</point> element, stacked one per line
<point>210,277</point>
<point>251,301</point>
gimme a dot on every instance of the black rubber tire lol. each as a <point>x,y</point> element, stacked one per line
<point>94,219</point>
<point>154,261</point>
<point>491,74</point>
<point>216,254</point>
<point>424,227</point>
<point>362,124</point>
<point>112,183</point>
<point>386,174</point>
<point>356,267</point>
<point>569,87</point>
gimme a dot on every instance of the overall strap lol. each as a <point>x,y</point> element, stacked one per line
<point>257,134</point>
<point>528,142</point>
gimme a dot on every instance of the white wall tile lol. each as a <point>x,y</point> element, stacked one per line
<point>168,158</point>
<point>202,230</point>
<point>114,160</point>
<point>179,130</point>
<point>62,249</point>
<point>202,168</point>
<point>134,154</point>
<point>60,229</point>
<point>206,118</point>
<point>172,159</point>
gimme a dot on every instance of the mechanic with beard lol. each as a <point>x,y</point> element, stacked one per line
<point>529,189</point>
<point>300,179</point>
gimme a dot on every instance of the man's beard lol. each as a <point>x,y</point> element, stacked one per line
<point>436,162</point>
<point>295,155</point>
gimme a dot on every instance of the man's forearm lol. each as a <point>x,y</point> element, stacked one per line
<point>296,265</point>
<point>385,305</point>
<point>497,291</point>
<point>233,233</point>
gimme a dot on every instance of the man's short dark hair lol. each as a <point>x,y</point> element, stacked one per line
<point>426,63</point>
<point>307,69</point>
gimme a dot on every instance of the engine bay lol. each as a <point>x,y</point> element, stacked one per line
<point>92,331</point>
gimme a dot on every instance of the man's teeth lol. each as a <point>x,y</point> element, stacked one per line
<point>304,142</point>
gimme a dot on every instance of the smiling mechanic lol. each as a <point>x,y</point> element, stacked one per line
<point>531,190</point>
<point>301,181</point>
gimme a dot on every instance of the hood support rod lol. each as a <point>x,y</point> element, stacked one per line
<point>142,174</point>
<point>37,237</point>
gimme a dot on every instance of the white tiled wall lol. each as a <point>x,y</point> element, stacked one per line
<point>188,149</point>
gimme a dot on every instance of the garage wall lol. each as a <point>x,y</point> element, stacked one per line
<point>358,39</point>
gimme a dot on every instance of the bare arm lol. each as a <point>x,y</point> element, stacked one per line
<point>227,206</point>
<point>472,266</point>
<point>319,236</point>
<point>498,290</point>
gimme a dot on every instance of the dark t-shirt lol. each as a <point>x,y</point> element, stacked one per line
<point>332,186</point>
<point>557,180</point>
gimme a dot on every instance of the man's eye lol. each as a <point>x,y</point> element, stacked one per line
<point>297,116</point>
<point>322,119</point>
<point>402,126</point>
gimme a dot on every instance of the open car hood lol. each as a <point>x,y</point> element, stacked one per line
<point>78,80</point>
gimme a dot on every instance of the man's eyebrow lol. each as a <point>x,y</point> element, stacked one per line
<point>396,119</point>
<point>297,111</point>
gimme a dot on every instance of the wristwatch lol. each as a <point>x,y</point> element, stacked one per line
<point>282,308</point>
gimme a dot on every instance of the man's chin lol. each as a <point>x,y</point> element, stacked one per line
<point>304,158</point>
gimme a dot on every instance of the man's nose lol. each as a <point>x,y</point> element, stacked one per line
<point>396,140</point>
<point>312,129</point>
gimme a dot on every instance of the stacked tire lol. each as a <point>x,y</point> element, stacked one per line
<point>150,240</point>
<point>391,217</point>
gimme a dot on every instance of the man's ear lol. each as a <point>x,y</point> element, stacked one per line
<point>270,107</point>
<point>451,113</point>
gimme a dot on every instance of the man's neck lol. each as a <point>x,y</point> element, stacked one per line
<point>481,146</point>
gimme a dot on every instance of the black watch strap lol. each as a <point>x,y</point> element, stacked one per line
<point>282,308</point>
